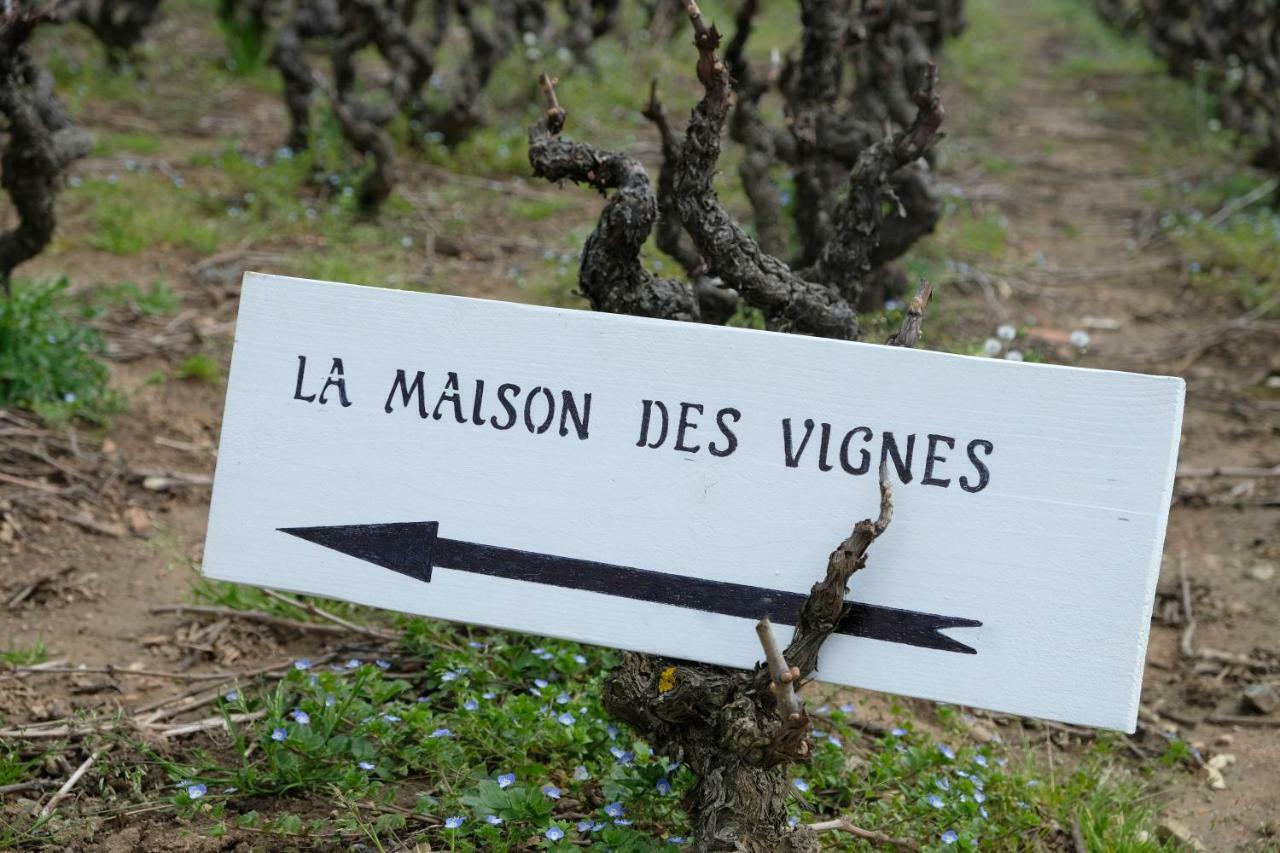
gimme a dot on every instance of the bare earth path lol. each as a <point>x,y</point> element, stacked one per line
<point>1082,256</point>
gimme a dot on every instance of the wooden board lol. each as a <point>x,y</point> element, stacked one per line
<point>362,459</point>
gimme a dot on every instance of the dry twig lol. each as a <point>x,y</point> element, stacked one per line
<point>843,824</point>
<point>71,782</point>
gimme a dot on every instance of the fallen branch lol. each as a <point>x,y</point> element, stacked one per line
<point>211,723</point>
<point>1186,471</point>
<point>71,783</point>
<point>110,669</point>
<point>1241,202</point>
<point>1184,642</point>
<point>67,731</point>
<point>1238,720</point>
<point>251,616</point>
<point>375,633</point>
<point>19,787</point>
<point>844,825</point>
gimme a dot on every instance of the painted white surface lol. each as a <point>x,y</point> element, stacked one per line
<point>1058,556</point>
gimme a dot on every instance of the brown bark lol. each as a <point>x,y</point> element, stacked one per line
<point>611,275</point>
<point>119,25</point>
<point>41,139</point>
<point>736,730</point>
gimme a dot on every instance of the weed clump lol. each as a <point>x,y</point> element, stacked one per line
<point>49,362</point>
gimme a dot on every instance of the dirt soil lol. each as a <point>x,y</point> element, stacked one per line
<point>1075,211</point>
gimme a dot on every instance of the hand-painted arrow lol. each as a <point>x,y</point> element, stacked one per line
<point>413,548</point>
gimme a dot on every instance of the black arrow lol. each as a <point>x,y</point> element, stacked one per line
<point>412,548</point>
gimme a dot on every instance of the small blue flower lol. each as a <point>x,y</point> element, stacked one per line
<point>663,785</point>
<point>329,701</point>
<point>506,780</point>
<point>231,696</point>
<point>801,785</point>
<point>423,699</point>
<point>551,791</point>
<point>441,733</point>
<point>196,791</point>
<point>982,810</point>
<point>566,719</point>
<point>580,660</point>
<point>366,765</point>
<point>824,708</point>
<point>898,732</point>
<point>279,735</point>
<point>793,821</point>
<point>382,664</point>
<point>476,644</point>
<point>676,840</point>
<point>623,756</point>
<point>488,695</point>
<point>563,699</point>
<point>950,837</point>
<point>555,833</point>
<point>947,751</point>
<point>943,783</point>
<point>980,760</point>
<point>470,705</point>
<point>580,773</point>
<point>454,822</point>
<point>302,664</point>
<point>538,650</point>
<point>847,707</point>
<point>540,683</point>
<point>612,731</point>
<point>584,826</point>
<point>622,822</point>
<point>614,810</point>
<point>935,801</point>
<point>301,717</point>
<point>449,675</point>
<point>979,797</point>
<point>391,718</point>
<point>835,741</point>
<point>354,663</point>
<point>493,820</point>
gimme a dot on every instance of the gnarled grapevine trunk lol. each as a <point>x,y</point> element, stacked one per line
<point>41,140</point>
<point>737,731</point>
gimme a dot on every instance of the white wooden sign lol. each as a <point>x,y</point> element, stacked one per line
<point>659,486</point>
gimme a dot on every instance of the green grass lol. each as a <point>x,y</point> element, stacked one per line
<point>155,301</point>
<point>1238,257</point>
<point>110,143</point>
<point>396,747</point>
<point>22,656</point>
<point>138,212</point>
<point>50,362</point>
<point>201,368</point>
<point>986,61</point>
